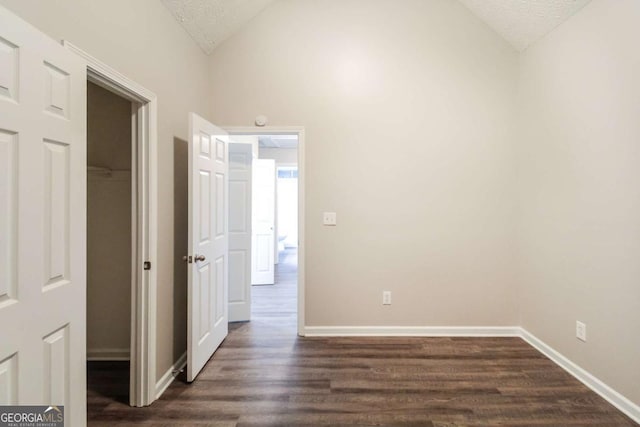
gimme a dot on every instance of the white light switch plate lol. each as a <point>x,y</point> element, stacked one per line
<point>581,331</point>
<point>329,218</point>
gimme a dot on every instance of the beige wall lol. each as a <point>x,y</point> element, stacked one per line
<point>108,129</point>
<point>108,224</point>
<point>144,42</point>
<point>109,264</point>
<point>407,122</point>
<point>579,158</point>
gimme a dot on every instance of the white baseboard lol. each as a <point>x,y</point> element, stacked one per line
<point>616,399</point>
<point>168,377</point>
<point>107,354</point>
<point>411,331</point>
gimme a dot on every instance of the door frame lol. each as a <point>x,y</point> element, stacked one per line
<point>144,112</point>
<point>299,131</point>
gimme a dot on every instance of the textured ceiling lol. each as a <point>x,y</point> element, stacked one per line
<point>209,22</point>
<point>278,141</point>
<point>520,22</point>
<point>523,22</point>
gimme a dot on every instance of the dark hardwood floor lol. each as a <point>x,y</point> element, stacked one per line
<point>264,375</point>
<point>107,382</point>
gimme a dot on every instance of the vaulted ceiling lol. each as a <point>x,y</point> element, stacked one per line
<point>520,22</point>
<point>523,22</point>
<point>210,22</point>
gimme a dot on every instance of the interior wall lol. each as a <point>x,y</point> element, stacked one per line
<point>248,139</point>
<point>579,160</point>
<point>282,156</point>
<point>143,41</point>
<point>180,231</point>
<point>108,224</point>
<point>407,131</point>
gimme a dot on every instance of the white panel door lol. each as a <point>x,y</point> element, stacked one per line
<point>263,219</point>
<point>240,159</point>
<point>208,242</point>
<point>42,221</point>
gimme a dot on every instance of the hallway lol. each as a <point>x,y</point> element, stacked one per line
<point>276,305</point>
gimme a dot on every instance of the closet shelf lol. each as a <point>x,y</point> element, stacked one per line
<point>99,170</point>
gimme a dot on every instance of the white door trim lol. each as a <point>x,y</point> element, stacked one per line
<point>142,390</point>
<point>289,130</point>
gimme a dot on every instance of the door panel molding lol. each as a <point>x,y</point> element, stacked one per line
<point>42,224</point>
<point>207,307</point>
<point>240,171</point>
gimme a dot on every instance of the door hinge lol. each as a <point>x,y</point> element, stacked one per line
<point>146,265</point>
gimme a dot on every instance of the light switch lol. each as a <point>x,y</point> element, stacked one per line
<point>329,218</point>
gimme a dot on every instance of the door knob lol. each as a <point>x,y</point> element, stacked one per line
<point>200,258</point>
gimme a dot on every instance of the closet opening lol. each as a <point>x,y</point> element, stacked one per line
<point>111,243</point>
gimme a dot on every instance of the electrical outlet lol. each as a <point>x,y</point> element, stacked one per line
<point>581,331</point>
<point>386,298</point>
<point>329,218</point>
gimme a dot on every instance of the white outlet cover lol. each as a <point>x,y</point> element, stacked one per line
<point>329,218</point>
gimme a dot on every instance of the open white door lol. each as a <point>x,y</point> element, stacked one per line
<point>263,213</point>
<point>208,239</point>
<point>42,221</point>
<point>240,159</point>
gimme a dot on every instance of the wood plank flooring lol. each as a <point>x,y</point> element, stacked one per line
<point>264,375</point>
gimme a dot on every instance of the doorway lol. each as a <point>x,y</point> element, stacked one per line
<point>278,301</point>
<point>109,243</point>
<point>275,301</point>
<point>143,389</point>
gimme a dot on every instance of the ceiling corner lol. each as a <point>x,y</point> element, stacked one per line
<point>210,22</point>
<point>523,22</point>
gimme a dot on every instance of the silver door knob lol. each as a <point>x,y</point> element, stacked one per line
<point>199,257</point>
